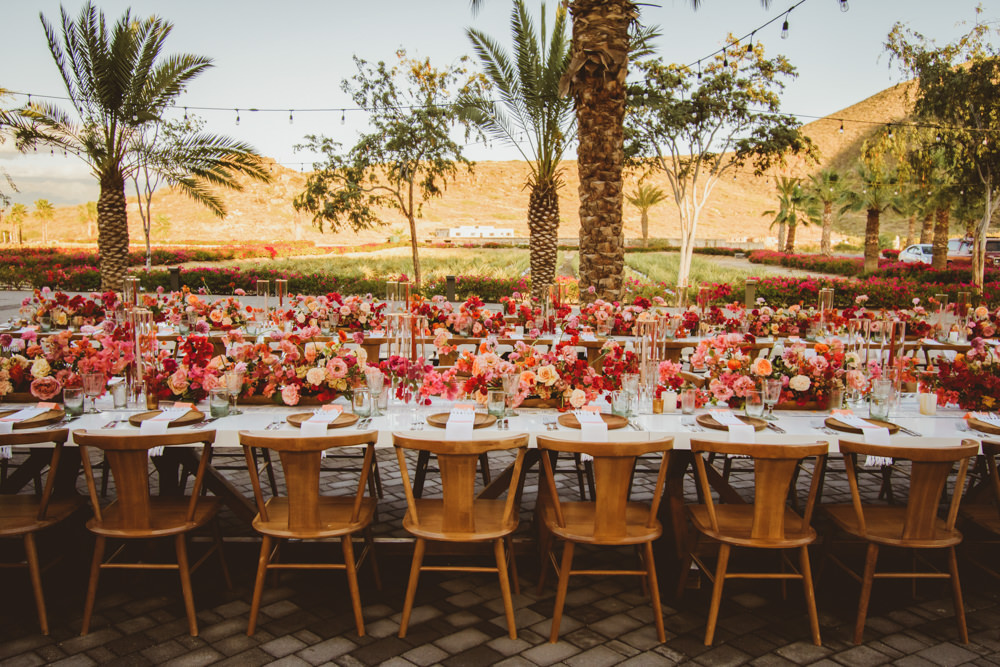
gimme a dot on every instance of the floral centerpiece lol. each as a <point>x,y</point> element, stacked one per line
<point>188,375</point>
<point>419,380</point>
<point>472,318</point>
<point>619,318</point>
<point>61,308</point>
<point>809,378</point>
<point>728,362</point>
<point>615,360</point>
<point>972,380</point>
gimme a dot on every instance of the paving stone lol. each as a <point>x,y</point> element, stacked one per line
<point>89,641</point>
<point>252,658</point>
<point>325,651</point>
<point>947,654</point>
<point>163,652</point>
<point>723,656</point>
<point>599,656</point>
<point>913,661</point>
<point>380,650</point>
<point>473,657</point>
<point>234,644</point>
<point>515,661</point>
<point>283,646</point>
<point>616,625</point>
<point>507,646</point>
<point>547,654</point>
<point>428,654</point>
<point>861,656</point>
<point>803,653</point>
<point>202,656</point>
<point>462,641</point>
<point>79,660</point>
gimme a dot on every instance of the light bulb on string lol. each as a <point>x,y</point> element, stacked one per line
<point>937,137</point>
<point>890,131</point>
<point>185,114</point>
<point>750,44</point>
<point>343,116</point>
<point>844,6</point>
<point>699,70</point>
<point>290,119</point>
<point>237,116</point>
<point>784,28</point>
<point>841,130</point>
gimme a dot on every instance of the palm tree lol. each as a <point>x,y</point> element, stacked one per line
<point>119,84</point>
<point>527,85</point>
<point>875,192</point>
<point>646,196</point>
<point>44,212</point>
<point>18,212</point>
<point>794,208</point>
<point>825,189</point>
<point>86,214</point>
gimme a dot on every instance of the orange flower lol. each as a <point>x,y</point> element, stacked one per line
<point>734,364</point>
<point>822,348</point>
<point>342,335</point>
<point>529,362</point>
<point>762,367</point>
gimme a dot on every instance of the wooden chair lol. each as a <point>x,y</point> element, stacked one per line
<point>984,512</point>
<point>915,525</point>
<point>609,519</point>
<point>765,523</point>
<point>304,514</point>
<point>24,515</point>
<point>458,516</point>
<point>137,515</point>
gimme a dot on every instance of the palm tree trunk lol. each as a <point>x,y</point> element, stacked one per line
<point>596,79</point>
<point>781,236</point>
<point>824,244</point>
<point>942,225</point>
<point>112,231</point>
<point>413,247</point>
<point>911,230</point>
<point>543,227</point>
<point>644,221</point>
<point>871,240</point>
<point>927,230</point>
<point>790,239</point>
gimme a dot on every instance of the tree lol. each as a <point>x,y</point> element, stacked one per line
<point>44,211</point>
<point>825,189</point>
<point>794,208</point>
<point>874,191</point>
<point>119,83</point>
<point>527,85</point>
<point>406,158</point>
<point>18,212</point>
<point>959,89</point>
<point>7,185</point>
<point>86,214</point>
<point>697,128</point>
<point>646,197</point>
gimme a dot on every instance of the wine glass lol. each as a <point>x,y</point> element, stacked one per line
<point>234,385</point>
<point>772,394</point>
<point>511,382</point>
<point>93,386</point>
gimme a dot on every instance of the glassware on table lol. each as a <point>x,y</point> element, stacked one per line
<point>754,403</point>
<point>511,383</point>
<point>45,323</point>
<point>836,398</point>
<point>376,383</point>
<point>878,405</point>
<point>218,402</point>
<point>381,402</point>
<point>93,386</point>
<point>119,393</point>
<point>630,385</point>
<point>620,402</point>
<point>234,385</point>
<point>73,401</point>
<point>772,394</point>
<point>361,402</point>
<point>688,401</point>
<point>496,402</point>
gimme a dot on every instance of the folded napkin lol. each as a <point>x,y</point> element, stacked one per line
<point>7,423</point>
<point>987,417</point>
<point>588,335</point>
<point>461,422</point>
<point>593,428</point>
<point>738,430</point>
<point>158,425</point>
<point>317,425</point>
<point>873,435</point>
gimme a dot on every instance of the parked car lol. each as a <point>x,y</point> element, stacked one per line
<point>919,253</point>
<point>993,252</point>
<point>959,250</point>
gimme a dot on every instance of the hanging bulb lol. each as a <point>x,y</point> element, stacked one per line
<point>725,60</point>
<point>844,6</point>
<point>135,118</point>
<point>290,119</point>
<point>52,152</point>
<point>750,44</point>
<point>937,137</point>
<point>237,116</point>
<point>699,70</point>
<point>185,113</point>
<point>65,154</point>
<point>890,131</point>
<point>841,130</point>
<point>784,29</point>
<point>343,116</point>
<point>985,141</point>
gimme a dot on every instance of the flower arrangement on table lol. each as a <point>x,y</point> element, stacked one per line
<point>61,308</point>
<point>419,380</point>
<point>670,379</point>
<point>228,313</point>
<point>618,318</point>
<point>351,313</point>
<point>972,380</point>
<point>528,311</point>
<point>188,375</point>
<point>728,362</point>
<point>557,375</point>
<point>614,361</point>
<point>809,378</point>
<point>982,323</point>
<point>791,321</point>
<point>472,318</point>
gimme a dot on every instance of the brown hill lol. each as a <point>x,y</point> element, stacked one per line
<point>493,194</point>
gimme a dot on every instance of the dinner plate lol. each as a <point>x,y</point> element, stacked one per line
<point>978,424</point>
<point>838,425</point>
<point>569,420</point>
<point>44,419</point>
<point>343,420</point>
<point>187,419</point>
<point>440,420</point>
<point>709,421</point>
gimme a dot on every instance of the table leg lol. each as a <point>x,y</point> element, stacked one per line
<point>217,483</point>
<point>38,459</point>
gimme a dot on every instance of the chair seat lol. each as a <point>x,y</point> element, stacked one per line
<point>489,523</point>
<point>168,516</point>
<point>735,522</point>
<point>334,515</point>
<point>579,518</point>
<point>19,514</point>
<point>884,526</point>
<point>985,516</point>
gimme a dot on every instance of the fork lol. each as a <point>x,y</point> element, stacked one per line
<point>364,422</point>
<point>203,424</point>
<point>417,426</point>
<point>691,424</point>
<point>273,425</point>
<point>550,422</point>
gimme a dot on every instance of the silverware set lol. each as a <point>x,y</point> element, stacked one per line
<point>550,422</point>
<point>417,425</point>
<point>363,423</point>
<point>691,425</point>
<point>111,424</point>
<point>203,424</point>
<point>275,425</point>
<point>60,424</point>
<point>774,427</point>
<point>503,424</point>
<point>635,426</point>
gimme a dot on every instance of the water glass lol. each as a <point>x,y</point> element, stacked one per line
<point>93,386</point>
<point>45,323</point>
<point>496,402</point>
<point>772,394</point>
<point>361,402</point>
<point>73,401</point>
<point>382,402</point>
<point>218,402</point>
<point>687,402</point>
<point>234,386</point>
<point>511,384</point>
<point>620,402</point>
<point>119,393</point>
<point>754,403</point>
<point>878,406</point>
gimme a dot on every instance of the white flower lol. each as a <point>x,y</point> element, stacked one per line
<point>315,376</point>
<point>578,398</point>
<point>799,383</point>
<point>40,368</point>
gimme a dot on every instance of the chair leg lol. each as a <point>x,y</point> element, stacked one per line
<point>484,469</point>
<point>31,554</point>
<point>956,587</point>
<point>685,569</point>
<point>654,593</point>
<point>377,477</point>
<point>544,550</point>
<point>266,453</point>
<point>513,565</point>
<point>275,558</point>
<point>105,475</point>
<point>420,473</point>
<point>95,573</point>
<point>352,582</point>
<point>217,536</point>
<point>720,580</point>
<point>578,465</point>
<point>371,555</point>
<point>565,567</point>
<point>807,585</point>
<point>185,572</point>
<point>258,587</point>
<point>508,603</point>
<point>866,591</point>
<point>411,586</point>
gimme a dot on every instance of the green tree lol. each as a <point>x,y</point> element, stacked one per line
<point>407,156</point>
<point>18,212</point>
<point>7,185</point>
<point>795,207</point>
<point>86,214</point>
<point>119,82</point>
<point>874,191</point>
<point>696,128</point>
<point>44,211</point>
<point>646,196</point>
<point>526,85</point>
<point>825,189</point>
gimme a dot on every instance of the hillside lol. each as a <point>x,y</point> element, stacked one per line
<point>493,194</point>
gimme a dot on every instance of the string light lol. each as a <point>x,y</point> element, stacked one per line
<point>784,28</point>
<point>699,70</point>
<point>750,44</point>
<point>185,114</point>
<point>343,116</point>
<point>237,116</point>
<point>844,6</point>
<point>890,130</point>
<point>841,130</point>
<point>290,119</point>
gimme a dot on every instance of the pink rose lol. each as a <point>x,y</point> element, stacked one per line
<point>336,368</point>
<point>290,394</point>
<point>178,382</point>
<point>45,388</point>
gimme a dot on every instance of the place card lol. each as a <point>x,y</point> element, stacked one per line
<point>593,428</point>
<point>461,422</point>
<point>158,425</point>
<point>588,336</point>
<point>873,435</point>
<point>317,425</point>
<point>7,423</point>
<point>738,431</point>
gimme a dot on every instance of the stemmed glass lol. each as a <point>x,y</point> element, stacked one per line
<point>511,382</point>
<point>93,386</point>
<point>772,394</point>
<point>234,385</point>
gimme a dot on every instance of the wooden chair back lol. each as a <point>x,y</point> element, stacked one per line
<point>930,468</point>
<point>57,439</point>
<point>301,460</point>
<point>613,464</point>
<point>457,464</point>
<point>774,468</point>
<point>128,456</point>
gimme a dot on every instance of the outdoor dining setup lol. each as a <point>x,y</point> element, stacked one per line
<point>630,421</point>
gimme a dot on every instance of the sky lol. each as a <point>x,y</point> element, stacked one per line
<point>293,55</point>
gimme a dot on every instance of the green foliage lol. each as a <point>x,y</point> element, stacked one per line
<point>646,196</point>
<point>795,207</point>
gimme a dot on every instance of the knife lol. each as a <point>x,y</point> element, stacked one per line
<point>774,427</point>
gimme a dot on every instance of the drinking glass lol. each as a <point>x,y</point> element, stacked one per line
<point>119,393</point>
<point>45,323</point>
<point>620,401</point>
<point>73,401</point>
<point>361,402</point>
<point>754,403</point>
<point>878,406</point>
<point>496,402</point>
<point>218,402</point>
<point>772,394</point>
<point>511,383</point>
<point>93,386</point>
<point>234,386</point>
<point>687,402</point>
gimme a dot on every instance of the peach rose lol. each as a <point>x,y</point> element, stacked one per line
<point>315,376</point>
<point>762,367</point>
<point>578,398</point>
<point>548,375</point>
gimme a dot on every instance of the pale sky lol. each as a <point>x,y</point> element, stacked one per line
<point>293,55</point>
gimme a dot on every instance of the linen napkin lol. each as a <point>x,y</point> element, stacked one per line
<point>873,435</point>
<point>987,417</point>
<point>461,422</point>
<point>588,335</point>
<point>317,425</point>
<point>158,425</point>
<point>7,423</point>
<point>593,428</point>
<point>738,431</point>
